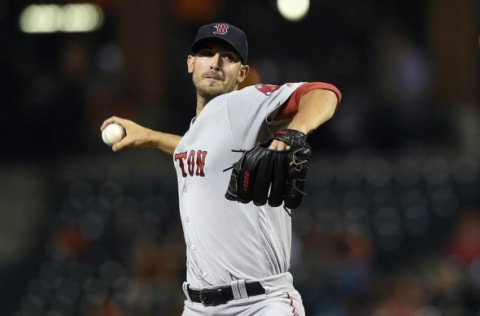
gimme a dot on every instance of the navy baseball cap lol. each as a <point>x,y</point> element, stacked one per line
<point>228,33</point>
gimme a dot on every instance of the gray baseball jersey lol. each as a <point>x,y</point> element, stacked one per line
<point>228,240</point>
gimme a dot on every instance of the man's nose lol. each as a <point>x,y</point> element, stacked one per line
<point>216,61</point>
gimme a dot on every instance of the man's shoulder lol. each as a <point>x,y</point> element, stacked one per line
<point>265,88</point>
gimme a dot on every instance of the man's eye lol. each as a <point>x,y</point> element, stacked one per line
<point>230,57</point>
<point>226,56</point>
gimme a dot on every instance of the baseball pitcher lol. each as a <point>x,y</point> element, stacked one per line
<point>241,169</point>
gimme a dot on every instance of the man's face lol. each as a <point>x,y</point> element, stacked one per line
<point>216,69</point>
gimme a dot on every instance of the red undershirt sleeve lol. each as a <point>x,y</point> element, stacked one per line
<point>291,107</point>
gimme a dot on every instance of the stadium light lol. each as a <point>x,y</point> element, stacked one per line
<point>293,10</point>
<point>51,18</point>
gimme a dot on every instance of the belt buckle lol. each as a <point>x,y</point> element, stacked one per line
<point>204,300</point>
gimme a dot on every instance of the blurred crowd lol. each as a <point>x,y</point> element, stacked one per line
<point>59,87</point>
<point>375,236</point>
<point>391,222</point>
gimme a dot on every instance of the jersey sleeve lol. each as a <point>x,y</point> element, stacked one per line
<point>291,106</point>
<point>249,108</point>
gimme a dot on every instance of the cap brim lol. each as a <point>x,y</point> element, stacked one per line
<point>201,41</point>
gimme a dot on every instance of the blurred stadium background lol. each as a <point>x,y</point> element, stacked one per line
<point>391,222</point>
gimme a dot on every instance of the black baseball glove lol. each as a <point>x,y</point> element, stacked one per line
<point>262,174</point>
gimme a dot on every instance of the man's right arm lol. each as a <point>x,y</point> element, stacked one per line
<point>140,136</point>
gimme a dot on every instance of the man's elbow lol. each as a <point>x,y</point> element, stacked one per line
<point>328,101</point>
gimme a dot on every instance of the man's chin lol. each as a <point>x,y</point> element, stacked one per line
<point>212,92</point>
<point>214,89</point>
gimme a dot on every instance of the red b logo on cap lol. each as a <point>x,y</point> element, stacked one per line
<point>221,28</point>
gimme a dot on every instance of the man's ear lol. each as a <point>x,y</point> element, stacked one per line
<point>190,62</point>
<point>243,73</point>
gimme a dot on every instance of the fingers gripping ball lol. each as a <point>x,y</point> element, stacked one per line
<point>278,177</point>
<point>112,134</point>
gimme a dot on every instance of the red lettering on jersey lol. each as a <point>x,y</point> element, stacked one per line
<point>180,157</point>
<point>191,163</point>
<point>201,163</point>
<point>267,89</point>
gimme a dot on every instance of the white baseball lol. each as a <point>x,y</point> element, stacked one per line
<point>113,133</point>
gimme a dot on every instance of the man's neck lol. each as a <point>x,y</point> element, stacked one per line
<point>202,101</point>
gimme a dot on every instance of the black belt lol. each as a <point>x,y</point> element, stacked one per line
<point>221,295</point>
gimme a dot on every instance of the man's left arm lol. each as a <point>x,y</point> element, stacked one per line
<point>277,174</point>
<point>314,108</point>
